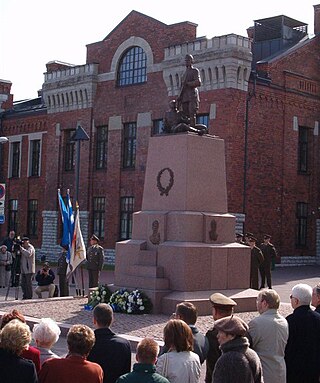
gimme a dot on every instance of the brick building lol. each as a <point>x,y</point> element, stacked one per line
<point>259,93</point>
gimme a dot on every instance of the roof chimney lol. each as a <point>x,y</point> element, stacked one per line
<point>316,19</point>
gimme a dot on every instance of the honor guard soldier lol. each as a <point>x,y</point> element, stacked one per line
<point>94,261</point>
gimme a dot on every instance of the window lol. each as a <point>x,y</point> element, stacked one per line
<point>126,210</point>
<point>301,229</point>
<point>303,150</point>
<point>13,215</point>
<point>133,67</point>
<point>69,153</point>
<point>32,218</point>
<point>15,159</point>
<point>129,145</point>
<point>99,209</point>
<point>157,126</point>
<point>203,119</point>
<point>35,146</point>
<point>101,147</point>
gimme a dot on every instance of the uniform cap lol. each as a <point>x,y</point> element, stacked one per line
<point>25,238</point>
<point>232,325</point>
<point>218,299</point>
<point>95,238</point>
<point>267,236</point>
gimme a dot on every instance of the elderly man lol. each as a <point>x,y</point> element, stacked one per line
<point>110,351</point>
<point>222,307</point>
<point>28,267</point>
<point>302,354</point>
<point>269,335</point>
<point>316,298</point>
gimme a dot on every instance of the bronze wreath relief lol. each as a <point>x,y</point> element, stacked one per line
<point>165,189</point>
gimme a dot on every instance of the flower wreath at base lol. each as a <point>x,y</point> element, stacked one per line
<point>121,301</point>
<point>100,294</point>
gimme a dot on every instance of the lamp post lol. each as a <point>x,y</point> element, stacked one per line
<point>79,135</point>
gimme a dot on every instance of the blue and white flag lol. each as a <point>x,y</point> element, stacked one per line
<point>67,219</point>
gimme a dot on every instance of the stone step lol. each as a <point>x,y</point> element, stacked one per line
<point>141,282</point>
<point>246,300</point>
<point>146,271</point>
<point>147,257</point>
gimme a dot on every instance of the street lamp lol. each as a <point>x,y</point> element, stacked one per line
<point>79,135</point>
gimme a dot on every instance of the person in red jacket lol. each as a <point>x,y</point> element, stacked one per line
<point>74,367</point>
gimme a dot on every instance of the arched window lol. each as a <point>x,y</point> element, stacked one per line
<point>133,67</point>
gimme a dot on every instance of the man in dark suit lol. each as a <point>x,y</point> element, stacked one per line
<point>111,352</point>
<point>316,298</point>
<point>302,354</point>
<point>269,254</point>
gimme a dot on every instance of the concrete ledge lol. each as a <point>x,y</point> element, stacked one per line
<point>246,300</point>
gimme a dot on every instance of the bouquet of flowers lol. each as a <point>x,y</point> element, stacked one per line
<point>138,303</point>
<point>134,302</point>
<point>100,295</point>
<point>118,300</point>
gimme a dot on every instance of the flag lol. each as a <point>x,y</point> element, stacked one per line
<point>70,223</point>
<point>64,218</point>
<point>78,249</point>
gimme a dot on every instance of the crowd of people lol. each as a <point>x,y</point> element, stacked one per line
<point>270,348</point>
<point>18,267</point>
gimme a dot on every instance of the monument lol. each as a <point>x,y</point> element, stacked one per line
<point>183,239</point>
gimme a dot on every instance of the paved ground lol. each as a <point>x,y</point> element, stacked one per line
<point>68,311</point>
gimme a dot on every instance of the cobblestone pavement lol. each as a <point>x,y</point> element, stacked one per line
<point>71,311</point>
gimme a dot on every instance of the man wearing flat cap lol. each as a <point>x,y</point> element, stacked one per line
<point>238,363</point>
<point>95,260</point>
<point>222,306</point>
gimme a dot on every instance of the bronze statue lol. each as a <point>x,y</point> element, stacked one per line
<point>181,117</point>
<point>189,94</point>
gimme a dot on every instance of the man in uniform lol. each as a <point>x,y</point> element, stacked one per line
<point>62,272</point>
<point>256,262</point>
<point>269,254</point>
<point>189,94</point>
<point>94,261</point>
<point>222,307</point>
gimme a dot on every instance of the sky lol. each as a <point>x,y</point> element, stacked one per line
<point>34,32</point>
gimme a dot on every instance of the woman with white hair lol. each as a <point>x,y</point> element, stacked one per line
<point>46,334</point>
<point>15,337</point>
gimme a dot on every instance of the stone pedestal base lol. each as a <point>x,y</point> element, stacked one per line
<point>183,239</point>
